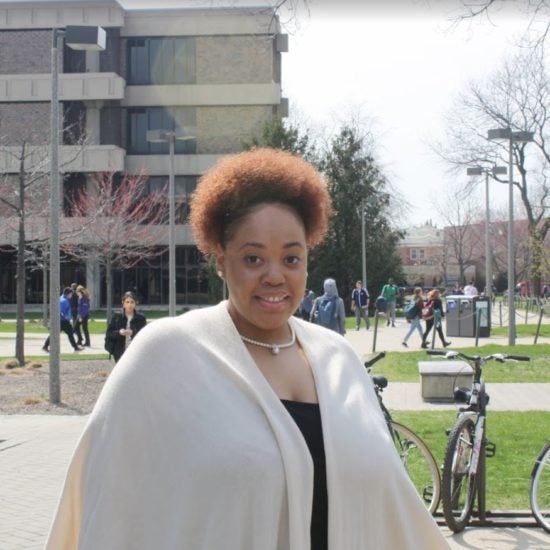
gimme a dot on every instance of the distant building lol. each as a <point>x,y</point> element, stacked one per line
<point>214,73</point>
<point>426,259</point>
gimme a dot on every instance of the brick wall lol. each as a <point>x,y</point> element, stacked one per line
<point>25,121</point>
<point>223,129</point>
<point>234,59</point>
<point>25,51</point>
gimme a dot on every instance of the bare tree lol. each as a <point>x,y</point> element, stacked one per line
<point>122,223</point>
<point>460,212</point>
<point>22,197</point>
<point>537,11</point>
<point>516,96</point>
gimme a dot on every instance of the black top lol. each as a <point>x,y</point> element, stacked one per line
<point>117,322</point>
<point>308,418</point>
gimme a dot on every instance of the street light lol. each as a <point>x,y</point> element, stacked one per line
<point>79,38</point>
<point>511,137</point>
<point>166,136</point>
<point>477,171</point>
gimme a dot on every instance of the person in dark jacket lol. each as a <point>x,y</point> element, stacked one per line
<point>82,316</point>
<point>436,306</point>
<point>124,326</point>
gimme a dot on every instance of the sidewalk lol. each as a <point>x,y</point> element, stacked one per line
<point>35,449</point>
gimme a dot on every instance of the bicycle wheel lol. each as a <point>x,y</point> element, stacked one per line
<point>540,488</point>
<point>419,463</point>
<point>458,487</point>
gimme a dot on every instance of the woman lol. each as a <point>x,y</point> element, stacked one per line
<point>240,426</point>
<point>82,316</point>
<point>328,310</point>
<point>415,315</point>
<point>432,314</point>
<point>124,326</point>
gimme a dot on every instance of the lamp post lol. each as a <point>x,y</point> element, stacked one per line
<point>511,137</point>
<point>166,136</point>
<point>363,245</point>
<point>477,171</point>
<point>77,38</point>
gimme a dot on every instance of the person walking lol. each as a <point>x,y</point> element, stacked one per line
<point>360,305</point>
<point>328,310</point>
<point>306,304</point>
<point>389,293</point>
<point>432,313</point>
<point>65,321</point>
<point>413,314</point>
<point>124,326</point>
<point>82,316</point>
<point>470,289</point>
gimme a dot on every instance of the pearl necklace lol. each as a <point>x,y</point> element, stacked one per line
<point>275,348</point>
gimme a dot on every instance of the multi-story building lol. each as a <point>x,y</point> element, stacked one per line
<point>427,260</point>
<point>213,74</point>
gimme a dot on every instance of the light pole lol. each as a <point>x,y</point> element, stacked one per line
<point>477,171</point>
<point>511,137</point>
<point>77,38</point>
<point>166,136</point>
<point>363,245</point>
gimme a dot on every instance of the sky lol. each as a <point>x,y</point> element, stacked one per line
<point>395,65</point>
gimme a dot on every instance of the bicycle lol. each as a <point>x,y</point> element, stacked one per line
<point>415,455</point>
<point>539,493</point>
<point>467,445</point>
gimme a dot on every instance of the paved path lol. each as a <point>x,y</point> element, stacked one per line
<point>35,450</point>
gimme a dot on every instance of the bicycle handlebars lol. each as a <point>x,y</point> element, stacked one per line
<point>370,362</point>
<point>500,357</point>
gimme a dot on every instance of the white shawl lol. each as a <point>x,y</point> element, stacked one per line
<point>189,448</point>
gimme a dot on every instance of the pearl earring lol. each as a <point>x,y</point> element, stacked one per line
<point>220,274</point>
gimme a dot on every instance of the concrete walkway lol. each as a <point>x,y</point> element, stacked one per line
<point>35,449</point>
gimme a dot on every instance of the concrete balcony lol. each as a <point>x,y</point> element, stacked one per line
<point>204,94</point>
<point>27,88</point>
<point>158,165</point>
<point>72,158</point>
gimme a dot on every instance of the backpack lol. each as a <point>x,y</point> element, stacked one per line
<point>410,311</point>
<point>381,304</point>
<point>327,312</point>
<point>428,311</point>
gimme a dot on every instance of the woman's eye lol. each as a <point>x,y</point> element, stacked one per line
<point>292,260</point>
<point>253,260</point>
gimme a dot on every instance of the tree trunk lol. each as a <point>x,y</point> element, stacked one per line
<point>45,287</point>
<point>108,284</point>
<point>21,279</point>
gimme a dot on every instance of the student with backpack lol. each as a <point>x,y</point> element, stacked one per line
<point>328,310</point>
<point>432,313</point>
<point>413,314</point>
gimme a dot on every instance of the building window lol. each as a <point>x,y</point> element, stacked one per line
<point>417,254</point>
<point>172,119</point>
<point>183,187</point>
<point>169,60</point>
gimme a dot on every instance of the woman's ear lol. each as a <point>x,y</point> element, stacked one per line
<point>220,262</point>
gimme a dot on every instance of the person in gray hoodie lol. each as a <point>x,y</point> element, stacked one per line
<point>328,310</point>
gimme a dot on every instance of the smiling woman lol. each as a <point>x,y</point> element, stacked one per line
<point>240,426</point>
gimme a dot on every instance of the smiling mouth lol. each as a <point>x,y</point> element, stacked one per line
<point>272,299</point>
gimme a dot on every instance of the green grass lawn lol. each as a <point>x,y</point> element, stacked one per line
<point>403,366</point>
<point>518,436</point>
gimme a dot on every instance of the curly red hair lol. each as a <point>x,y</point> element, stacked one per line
<point>229,190</point>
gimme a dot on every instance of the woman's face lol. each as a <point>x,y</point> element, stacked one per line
<point>129,305</point>
<point>265,266</point>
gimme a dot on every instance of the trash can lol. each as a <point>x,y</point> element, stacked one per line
<point>462,315</point>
